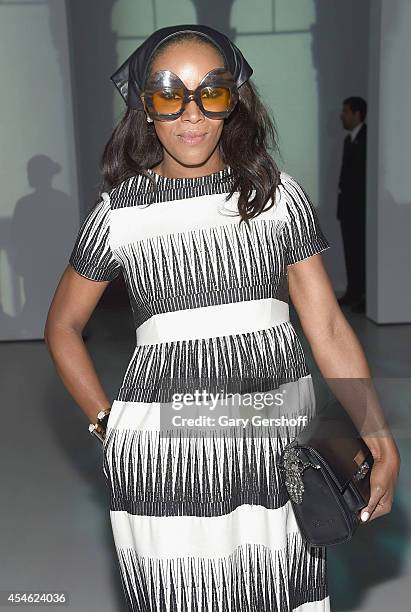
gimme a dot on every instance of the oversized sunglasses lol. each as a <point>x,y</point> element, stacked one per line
<point>165,95</point>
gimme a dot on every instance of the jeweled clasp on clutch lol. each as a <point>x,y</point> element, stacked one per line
<point>362,471</point>
<point>294,467</point>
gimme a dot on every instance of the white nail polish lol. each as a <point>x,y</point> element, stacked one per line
<point>364,516</point>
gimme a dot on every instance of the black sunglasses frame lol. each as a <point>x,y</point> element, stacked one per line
<point>167,80</point>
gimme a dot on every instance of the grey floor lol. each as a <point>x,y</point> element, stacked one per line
<point>55,529</point>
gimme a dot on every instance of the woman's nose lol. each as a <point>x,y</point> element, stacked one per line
<point>192,111</point>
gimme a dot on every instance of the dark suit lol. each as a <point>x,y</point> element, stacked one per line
<point>351,211</point>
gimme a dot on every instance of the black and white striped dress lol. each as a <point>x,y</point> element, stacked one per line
<point>199,511</point>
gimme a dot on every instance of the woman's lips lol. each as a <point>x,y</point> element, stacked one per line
<point>192,138</point>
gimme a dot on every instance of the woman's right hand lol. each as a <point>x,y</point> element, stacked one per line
<point>383,477</point>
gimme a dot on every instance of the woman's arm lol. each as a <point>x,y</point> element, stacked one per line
<point>339,355</point>
<point>73,303</point>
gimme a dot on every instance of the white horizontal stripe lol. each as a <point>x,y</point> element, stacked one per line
<point>212,321</point>
<point>315,606</point>
<point>212,537</point>
<point>132,223</point>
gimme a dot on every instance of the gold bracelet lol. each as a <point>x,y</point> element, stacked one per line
<point>98,428</point>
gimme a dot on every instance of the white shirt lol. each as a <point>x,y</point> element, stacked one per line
<point>355,131</point>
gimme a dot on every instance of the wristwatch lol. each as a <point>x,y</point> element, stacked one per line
<point>98,429</point>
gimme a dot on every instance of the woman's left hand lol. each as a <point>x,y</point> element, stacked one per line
<point>383,477</point>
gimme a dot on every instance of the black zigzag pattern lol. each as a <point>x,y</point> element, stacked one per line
<point>252,579</point>
<point>91,255</point>
<point>211,266</point>
<point>303,235</point>
<point>200,473</point>
<point>232,255</point>
<point>140,190</point>
<point>255,361</point>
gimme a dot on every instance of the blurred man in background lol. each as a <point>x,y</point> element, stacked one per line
<point>351,200</point>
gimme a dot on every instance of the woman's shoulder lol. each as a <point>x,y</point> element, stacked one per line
<point>128,183</point>
<point>130,190</point>
<point>292,199</point>
<point>288,181</point>
<point>292,190</point>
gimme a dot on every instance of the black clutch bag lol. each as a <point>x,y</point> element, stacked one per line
<point>327,476</point>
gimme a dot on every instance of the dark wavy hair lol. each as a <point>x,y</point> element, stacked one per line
<point>248,134</point>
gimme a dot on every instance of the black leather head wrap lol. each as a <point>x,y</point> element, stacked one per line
<point>130,77</point>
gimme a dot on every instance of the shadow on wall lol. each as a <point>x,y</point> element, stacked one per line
<point>34,234</point>
<point>216,14</point>
<point>38,229</point>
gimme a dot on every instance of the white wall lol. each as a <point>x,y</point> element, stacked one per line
<point>39,205</point>
<point>389,176</point>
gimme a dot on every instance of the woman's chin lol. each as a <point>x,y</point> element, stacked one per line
<point>196,158</point>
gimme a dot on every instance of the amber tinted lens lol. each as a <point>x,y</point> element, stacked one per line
<point>216,99</point>
<point>167,101</point>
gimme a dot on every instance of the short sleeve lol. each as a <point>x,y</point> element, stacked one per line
<point>92,256</point>
<point>302,233</point>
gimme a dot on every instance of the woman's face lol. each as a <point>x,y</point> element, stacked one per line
<point>192,139</point>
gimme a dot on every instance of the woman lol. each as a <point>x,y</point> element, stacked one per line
<point>212,239</point>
